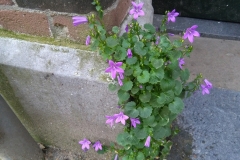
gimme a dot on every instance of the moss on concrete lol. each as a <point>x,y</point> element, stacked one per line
<point>44,40</point>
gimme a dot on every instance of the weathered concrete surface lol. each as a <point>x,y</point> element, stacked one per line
<point>63,93</point>
<point>15,141</point>
<point>212,124</point>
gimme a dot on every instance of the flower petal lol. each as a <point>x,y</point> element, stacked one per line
<point>190,38</point>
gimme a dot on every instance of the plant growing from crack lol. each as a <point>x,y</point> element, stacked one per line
<point>152,82</point>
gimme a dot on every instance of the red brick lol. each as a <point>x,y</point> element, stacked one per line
<point>6,2</point>
<point>117,15</point>
<point>78,33</point>
<point>25,22</point>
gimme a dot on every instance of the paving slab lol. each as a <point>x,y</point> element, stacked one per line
<point>210,127</point>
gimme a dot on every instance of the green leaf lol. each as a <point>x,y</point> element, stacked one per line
<point>161,99</point>
<point>178,88</point>
<point>169,96</point>
<point>131,61</point>
<point>112,87</point>
<point>150,121</point>
<point>161,132</point>
<point>111,42</point>
<point>163,121</point>
<point>140,133</point>
<point>98,8</point>
<point>132,113</point>
<point>120,54</point>
<point>130,109</point>
<point>140,156</point>
<point>125,44</point>
<point>123,95</point>
<point>135,90</point>
<point>115,29</point>
<point>184,75</point>
<point>122,139</point>
<point>137,71</point>
<point>138,48</point>
<point>144,77</point>
<point>176,106</point>
<point>128,72</point>
<point>157,63</point>
<point>177,43</point>
<point>150,27</point>
<point>145,112</point>
<point>145,97</point>
<point>167,84</point>
<point>127,86</point>
<point>159,73</point>
<point>130,105</point>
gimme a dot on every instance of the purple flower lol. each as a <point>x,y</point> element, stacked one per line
<point>137,10</point>
<point>127,28</point>
<point>147,143</point>
<point>114,68</point>
<point>170,34</point>
<point>181,62</point>
<point>116,157</point>
<point>88,39</point>
<point>205,90</point>
<point>206,87</point>
<point>141,86</point>
<point>97,145</point>
<point>134,122</point>
<point>190,32</point>
<point>208,84</point>
<point>121,118</point>
<point>85,144</point>
<point>129,53</point>
<point>110,120</point>
<point>79,20</point>
<point>157,40</point>
<point>119,81</point>
<point>172,15</point>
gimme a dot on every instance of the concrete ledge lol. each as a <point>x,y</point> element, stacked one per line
<point>63,93</point>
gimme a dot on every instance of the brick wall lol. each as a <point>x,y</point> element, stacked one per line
<point>49,22</point>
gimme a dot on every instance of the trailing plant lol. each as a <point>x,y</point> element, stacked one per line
<point>148,74</point>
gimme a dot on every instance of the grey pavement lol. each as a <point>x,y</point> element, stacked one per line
<point>15,142</point>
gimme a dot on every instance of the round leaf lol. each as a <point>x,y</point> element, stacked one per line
<point>145,112</point>
<point>144,77</point>
<point>176,106</point>
<point>127,86</point>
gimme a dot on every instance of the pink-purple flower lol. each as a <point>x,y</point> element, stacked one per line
<point>171,15</point>
<point>147,143</point>
<point>119,81</point>
<point>121,118</point>
<point>79,20</point>
<point>181,62</point>
<point>110,120</point>
<point>116,157</point>
<point>97,146</point>
<point>134,122</point>
<point>85,144</point>
<point>206,87</point>
<point>129,53</point>
<point>190,33</point>
<point>137,10</point>
<point>157,40</point>
<point>88,39</point>
<point>127,28</point>
<point>114,68</point>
